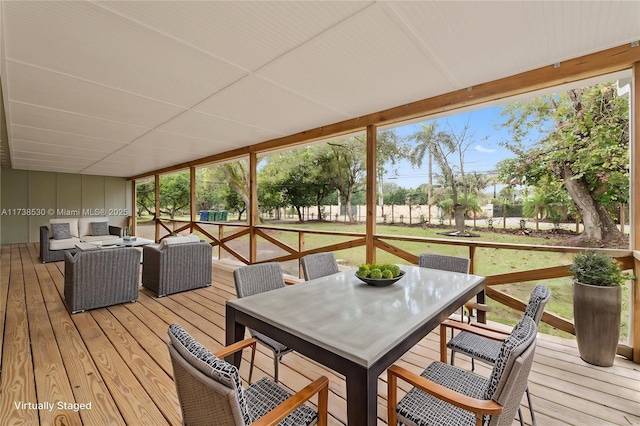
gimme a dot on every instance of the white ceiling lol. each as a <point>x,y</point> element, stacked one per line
<point>123,88</point>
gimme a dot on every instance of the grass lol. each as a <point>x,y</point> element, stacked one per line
<point>487,262</point>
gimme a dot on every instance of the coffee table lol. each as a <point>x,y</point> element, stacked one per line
<point>352,328</point>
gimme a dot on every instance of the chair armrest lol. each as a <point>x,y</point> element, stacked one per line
<point>477,406</point>
<point>485,331</point>
<point>319,386</point>
<point>238,346</point>
<point>477,306</point>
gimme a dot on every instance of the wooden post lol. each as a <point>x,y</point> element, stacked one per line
<point>372,169</point>
<point>192,195</point>
<point>156,213</point>
<point>253,207</point>
<point>220,237</point>
<point>634,225</point>
<point>300,250</point>
<point>134,210</point>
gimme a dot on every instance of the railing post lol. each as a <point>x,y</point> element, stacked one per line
<point>300,250</point>
<point>220,237</point>
<point>372,169</point>
<point>253,207</point>
<point>192,196</point>
<point>156,213</point>
<point>634,222</point>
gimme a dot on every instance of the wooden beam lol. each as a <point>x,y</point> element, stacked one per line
<point>192,195</point>
<point>372,151</point>
<point>253,207</point>
<point>134,211</point>
<point>593,65</point>
<point>156,213</point>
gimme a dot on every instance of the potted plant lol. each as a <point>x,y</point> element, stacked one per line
<point>597,304</point>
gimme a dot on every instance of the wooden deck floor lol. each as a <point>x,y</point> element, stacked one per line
<point>115,361</point>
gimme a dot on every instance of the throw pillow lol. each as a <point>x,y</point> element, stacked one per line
<point>60,231</point>
<point>99,228</point>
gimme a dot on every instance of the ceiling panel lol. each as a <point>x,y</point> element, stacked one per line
<point>63,140</point>
<point>172,141</point>
<point>88,41</point>
<point>36,86</point>
<point>262,31</point>
<point>374,68</point>
<point>59,121</point>
<point>287,113</point>
<point>224,134</point>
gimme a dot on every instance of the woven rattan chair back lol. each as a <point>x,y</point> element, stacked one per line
<point>319,265</point>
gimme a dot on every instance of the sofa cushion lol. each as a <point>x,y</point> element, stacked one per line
<point>67,244</point>
<point>93,238</point>
<point>84,224</point>
<point>61,231</point>
<point>73,225</point>
<point>99,228</point>
<point>191,238</point>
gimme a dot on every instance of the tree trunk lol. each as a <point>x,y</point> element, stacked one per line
<point>458,212</point>
<point>598,225</point>
<point>347,206</point>
<point>299,214</point>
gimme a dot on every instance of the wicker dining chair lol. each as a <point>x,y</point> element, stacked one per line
<point>254,279</point>
<point>210,390</point>
<point>483,343</point>
<point>319,265</point>
<point>446,395</point>
<point>451,264</point>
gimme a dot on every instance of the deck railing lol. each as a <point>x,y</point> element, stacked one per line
<point>388,243</point>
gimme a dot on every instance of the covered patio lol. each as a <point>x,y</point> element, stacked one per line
<point>116,358</point>
<point>97,96</point>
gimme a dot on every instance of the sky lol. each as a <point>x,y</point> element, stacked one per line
<point>482,155</point>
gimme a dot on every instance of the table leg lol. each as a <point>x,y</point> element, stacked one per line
<point>234,333</point>
<point>362,397</point>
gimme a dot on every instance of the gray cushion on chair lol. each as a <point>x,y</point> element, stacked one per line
<point>476,346</point>
<point>264,395</point>
<point>209,364</point>
<point>421,408</point>
<point>60,231</point>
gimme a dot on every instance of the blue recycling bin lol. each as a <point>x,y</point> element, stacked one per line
<point>204,215</point>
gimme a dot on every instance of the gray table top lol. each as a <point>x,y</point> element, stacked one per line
<point>352,319</point>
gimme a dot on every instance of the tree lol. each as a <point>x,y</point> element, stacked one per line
<point>582,147</point>
<point>145,197</point>
<point>174,193</point>
<point>442,146</point>
<point>349,169</point>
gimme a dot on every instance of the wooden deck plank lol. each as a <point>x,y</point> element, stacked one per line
<point>117,358</point>
<point>18,383</point>
<point>156,382</point>
<point>5,272</point>
<point>83,374</point>
<point>134,403</point>
<point>52,381</point>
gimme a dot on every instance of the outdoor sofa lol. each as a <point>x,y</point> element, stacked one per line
<point>101,277</point>
<point>176,264</point>
<point>55,240</point>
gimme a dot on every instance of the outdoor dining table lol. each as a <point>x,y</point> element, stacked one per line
<point>353,328</point>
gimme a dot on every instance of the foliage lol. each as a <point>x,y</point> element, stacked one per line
<point>145,197</point>
<point>581,149</point>
<point>378,271</point>
<point>596,268</point>
<point>174,193</point>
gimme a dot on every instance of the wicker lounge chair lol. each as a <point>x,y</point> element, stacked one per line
<point>483,343</point>
<point>444,263</point>
<point>319,265</point>
<point>447,395</point>
<point>254,279</point>
<point>210,389</point>
<point>98,278</point>
<point>168,269</point>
